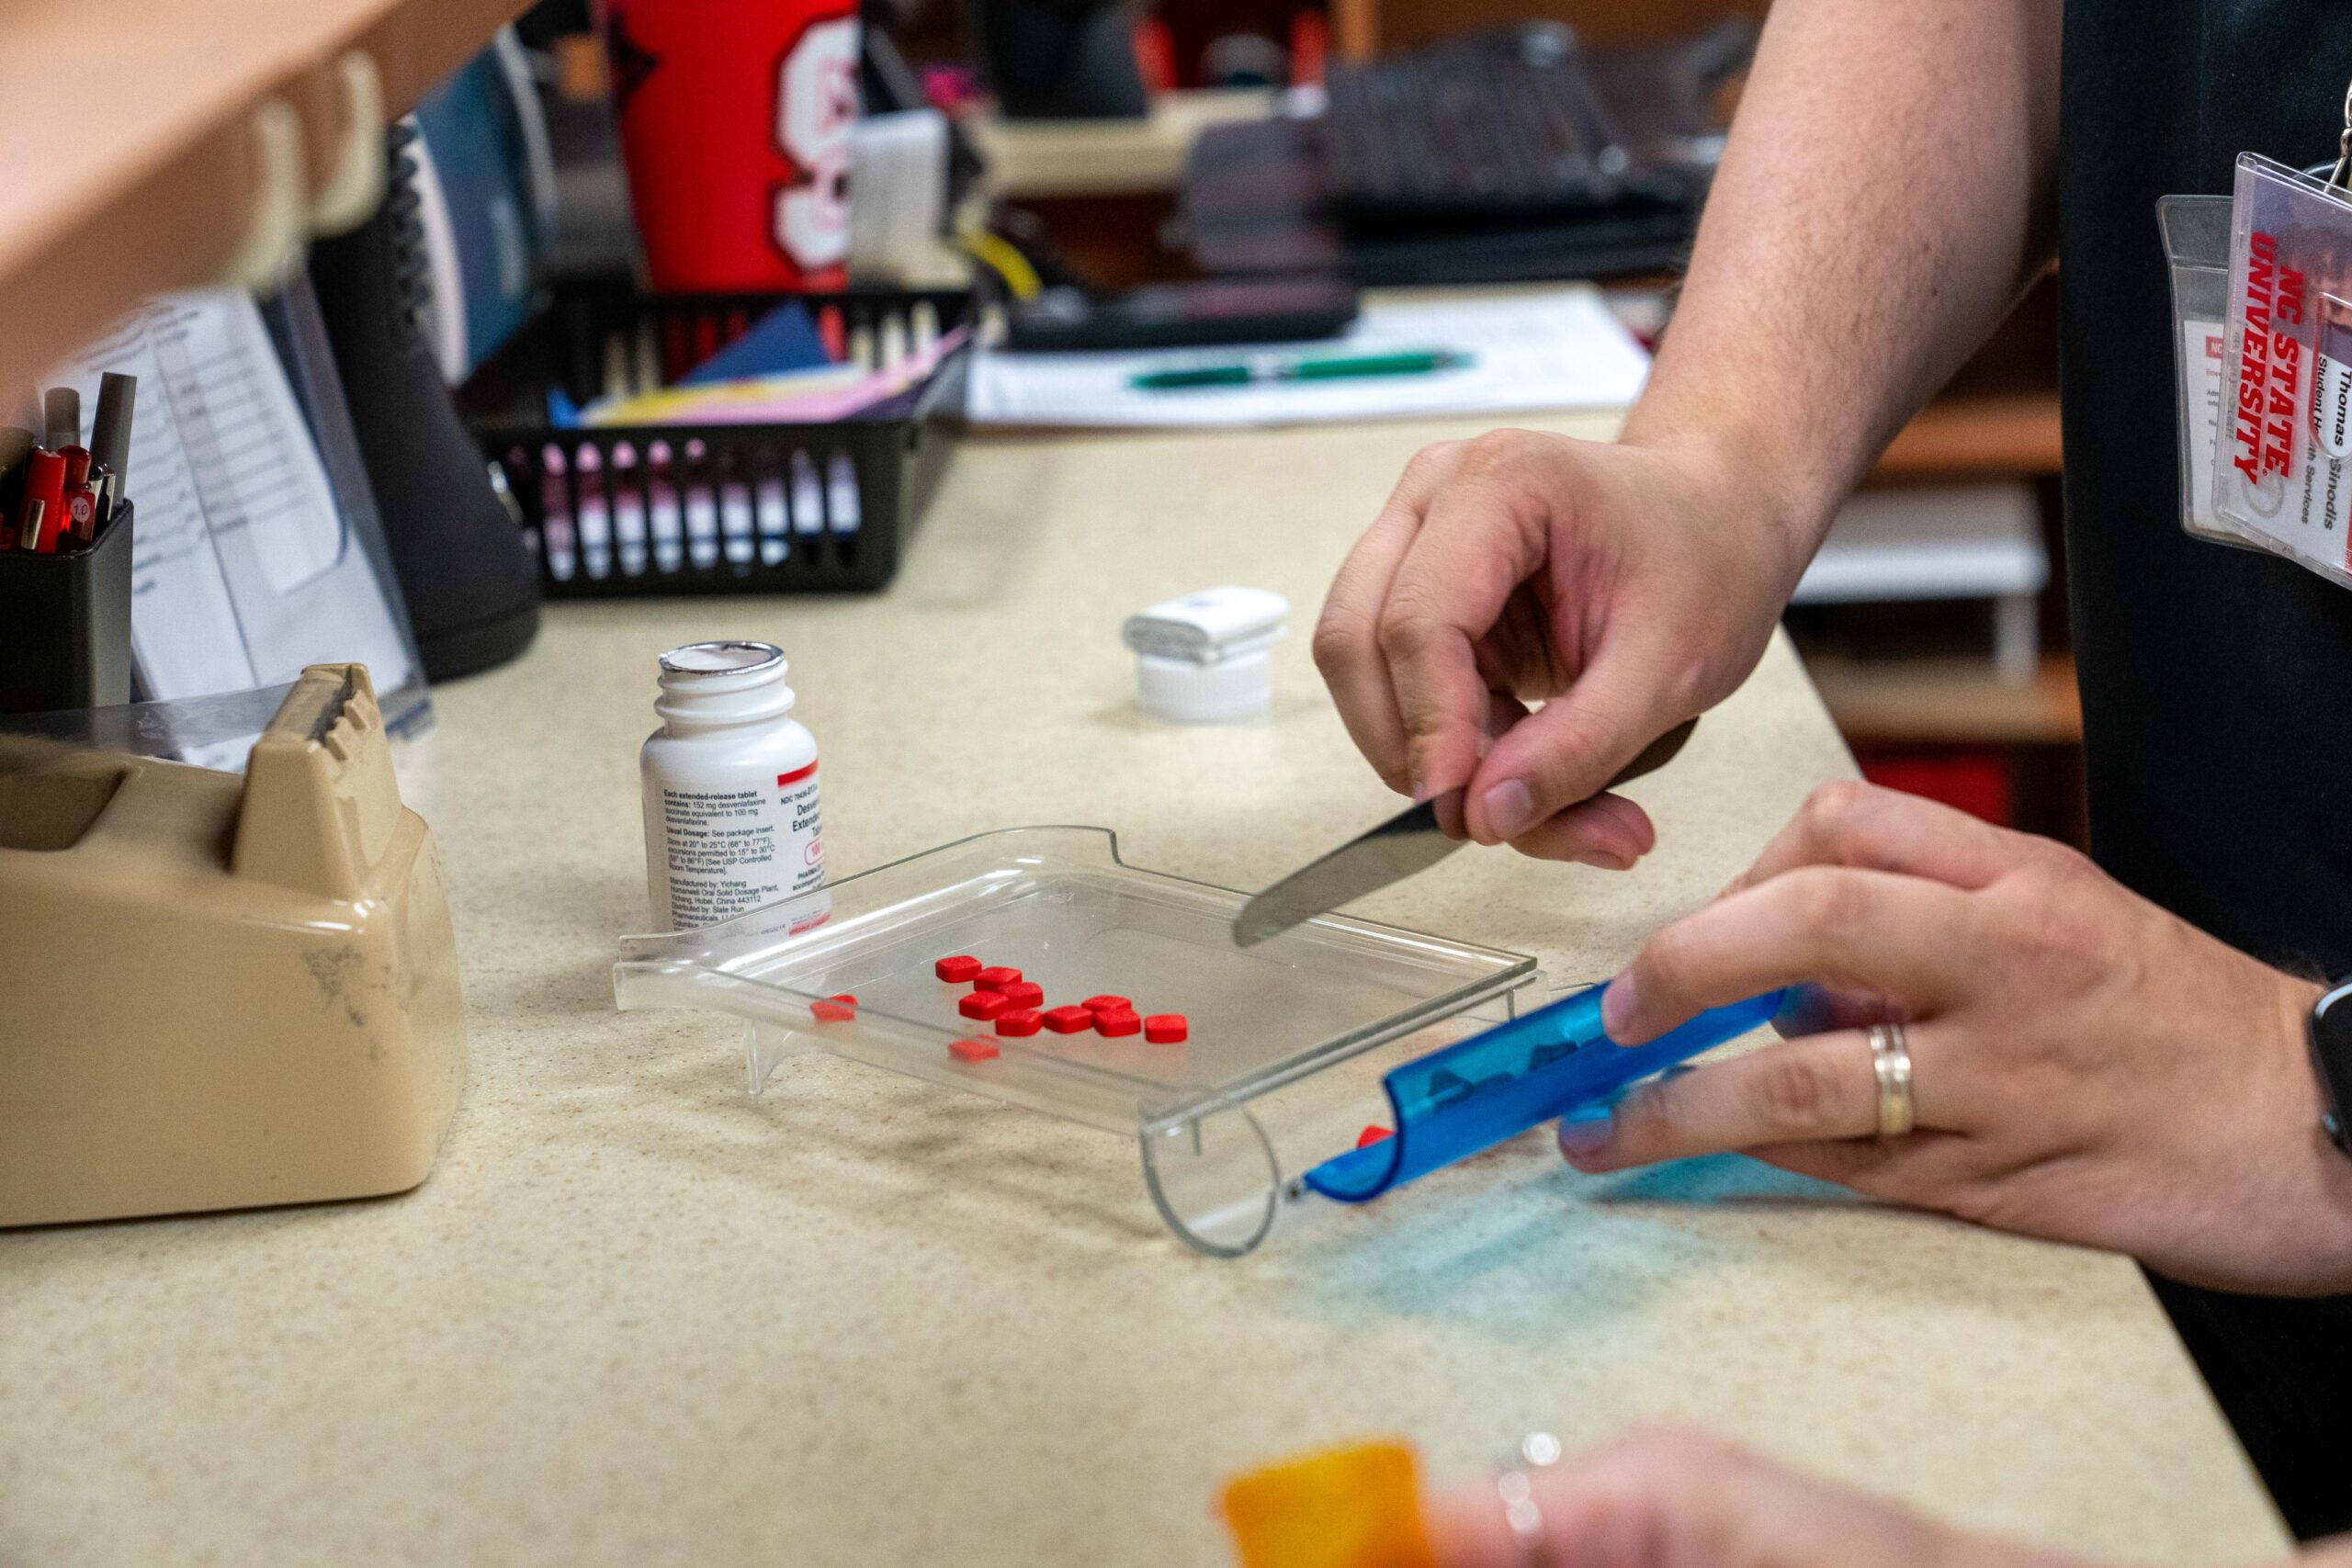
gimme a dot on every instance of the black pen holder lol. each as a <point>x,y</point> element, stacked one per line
<point>65,623</point>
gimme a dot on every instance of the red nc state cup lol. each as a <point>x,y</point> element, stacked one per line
<point>735,122</point>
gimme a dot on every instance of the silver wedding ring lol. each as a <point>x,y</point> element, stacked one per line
<point>1891,1061</point>
<point>1522,1513</point>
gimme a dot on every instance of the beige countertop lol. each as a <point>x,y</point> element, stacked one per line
<point>638,1317</point>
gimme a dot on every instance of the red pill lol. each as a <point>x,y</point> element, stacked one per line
<point>995,979</point>
<point>981,1004</point>
<point>973,1050</point>
<point>1023,993</point>
<point>1371,1136</point>
<point>1018,1022</point>
<point>835,1010</point>
<point>1108,1003</point>
<point>956,969</point>
<point>1068,1021</point>
<point>1117,1021</point>
<point>1165,1028</point>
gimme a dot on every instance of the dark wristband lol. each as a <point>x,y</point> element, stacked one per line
<point>2331,1041</point>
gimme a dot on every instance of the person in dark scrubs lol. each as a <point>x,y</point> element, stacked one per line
<point>2111,1052</point>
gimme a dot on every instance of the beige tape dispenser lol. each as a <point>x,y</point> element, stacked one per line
<point>219,992</point>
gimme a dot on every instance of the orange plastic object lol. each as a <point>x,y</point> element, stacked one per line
<point>836,1009</point>
<point>1357,1507</point>
<point>973,1050</point>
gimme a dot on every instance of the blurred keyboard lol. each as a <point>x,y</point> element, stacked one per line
<point>1503,126</point>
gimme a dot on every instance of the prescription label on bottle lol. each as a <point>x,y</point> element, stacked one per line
<point>731,851</point>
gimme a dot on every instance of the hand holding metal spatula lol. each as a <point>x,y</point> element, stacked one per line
<point>1414,840</point>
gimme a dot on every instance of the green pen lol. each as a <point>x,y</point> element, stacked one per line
<point>1250,373</point>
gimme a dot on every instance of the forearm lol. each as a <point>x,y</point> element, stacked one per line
<point>1886,194</point>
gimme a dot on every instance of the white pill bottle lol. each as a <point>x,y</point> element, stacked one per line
<point>730,787</point>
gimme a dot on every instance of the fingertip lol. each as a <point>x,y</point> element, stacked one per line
<point>1640,833</point>
<point>1617,1004</point>
<point>1506,811</point>
<point>1587,834</point>
<point>1584,1136</point>
<point>1438,761</point>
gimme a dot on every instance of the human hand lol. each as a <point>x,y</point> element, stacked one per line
<point>1626,587</point>
<point>1671,1498</point>
<point>2086,1067</point>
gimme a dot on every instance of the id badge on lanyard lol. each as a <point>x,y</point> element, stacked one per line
<point>2262,307</point>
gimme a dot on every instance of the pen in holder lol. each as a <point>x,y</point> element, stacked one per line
<point>65,623</point>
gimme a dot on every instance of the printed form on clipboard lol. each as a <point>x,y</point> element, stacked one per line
<point>245,568</point>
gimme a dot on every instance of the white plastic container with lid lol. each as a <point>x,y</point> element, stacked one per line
<point>730,787</point>
<point>1207,658</point>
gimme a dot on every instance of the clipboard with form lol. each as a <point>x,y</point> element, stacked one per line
<point>250,563</point>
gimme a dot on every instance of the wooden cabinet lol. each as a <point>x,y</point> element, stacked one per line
<point>151,144</point>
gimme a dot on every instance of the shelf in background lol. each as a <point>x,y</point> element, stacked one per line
<point>153,188</point>
<point>1914,702</point>
<point>2014,434</point>
<point>1031,158</point>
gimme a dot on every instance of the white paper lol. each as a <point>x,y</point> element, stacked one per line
<point>2203,344</point>
<point>244,570</point>
<point>1558,350</point>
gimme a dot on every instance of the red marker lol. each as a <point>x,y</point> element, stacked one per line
<point>80,517</point>
<point>44,483</point>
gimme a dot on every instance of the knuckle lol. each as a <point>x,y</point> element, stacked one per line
<point>1406,628</point>
<point>1341,637</point>
<point>1830,809</point>
<point>2051,920</point>
<point>1689,682</point>
<point>2064,865</point>
<point>1431,461</point>
<point>1642,1122</point>
<point>1496,449</point>
<point>1793,1094</point>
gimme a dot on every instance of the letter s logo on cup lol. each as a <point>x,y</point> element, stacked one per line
<point>816,110</point>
